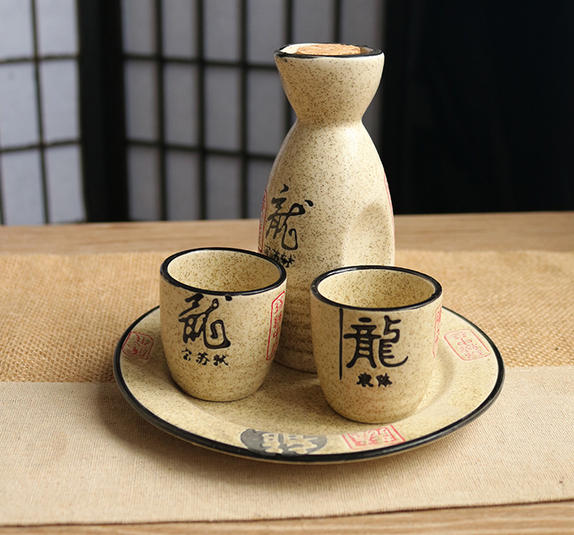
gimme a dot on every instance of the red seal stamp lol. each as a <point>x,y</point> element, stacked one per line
<point>373,438</point>
<point>138,345</point>
<point>275,324</point>
<point>467,345</point>
<point>437,316</point>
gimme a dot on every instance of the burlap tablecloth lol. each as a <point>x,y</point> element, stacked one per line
<point>73,451</point>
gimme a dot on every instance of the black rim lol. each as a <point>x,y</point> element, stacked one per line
<point>307,458</point>
<point>368,51</point>
<point>316,293</point>
<point>165,274</point>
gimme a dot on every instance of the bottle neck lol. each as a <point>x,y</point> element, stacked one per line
<point>327,90</point>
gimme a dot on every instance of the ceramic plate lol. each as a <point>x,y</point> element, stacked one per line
<point>288,419</point>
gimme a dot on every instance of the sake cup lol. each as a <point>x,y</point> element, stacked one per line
<point>221,311</point>
<point>375,331</point>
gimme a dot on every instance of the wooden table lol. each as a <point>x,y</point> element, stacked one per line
<point>552,231</point>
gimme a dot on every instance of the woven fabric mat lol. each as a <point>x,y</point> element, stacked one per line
<point>62,316</point>
<point>75,452</point>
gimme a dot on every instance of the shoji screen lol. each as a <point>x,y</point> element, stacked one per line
<point>205,112</point>
<point>40,157</point>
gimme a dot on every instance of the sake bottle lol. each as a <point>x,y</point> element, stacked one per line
<point>327,202</point>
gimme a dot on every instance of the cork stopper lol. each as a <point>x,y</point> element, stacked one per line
<point>329,49</point>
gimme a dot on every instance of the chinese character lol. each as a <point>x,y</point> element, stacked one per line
<point>385,349</point>
<point>138,345</point>
<point>365,380</point>
<point>384,380</point>
<point>202,359</point>
<point>364,339</point>
<point>220,359</point>
<point>279,221</point>
<point>373,438</point>
<point>298,444</point>
<point>282,444</point>
<point>186,354</point>
<point>271,443</point>
<point>283,259</point>
<point>196,324</point>
<point>287,260</point>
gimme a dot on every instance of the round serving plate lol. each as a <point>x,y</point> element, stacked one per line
<point>288,419</point>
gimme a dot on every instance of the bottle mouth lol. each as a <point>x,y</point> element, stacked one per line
<point>330,50</point>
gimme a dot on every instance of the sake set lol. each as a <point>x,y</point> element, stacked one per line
<point>316,348</point>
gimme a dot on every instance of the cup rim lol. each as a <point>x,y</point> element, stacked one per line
<point>164,273</point>
<point>370,51</point>
<point>317,294</point>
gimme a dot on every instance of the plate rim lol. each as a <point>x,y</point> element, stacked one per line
<point>318,458</point>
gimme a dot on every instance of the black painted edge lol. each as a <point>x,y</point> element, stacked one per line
<point>165,274</point>
<point>317,294</point>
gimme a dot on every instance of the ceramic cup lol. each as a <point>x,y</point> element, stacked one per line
<point>375,332</point>
<point>221,311</point>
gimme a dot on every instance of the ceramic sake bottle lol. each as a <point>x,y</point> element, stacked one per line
<point>327,202</point>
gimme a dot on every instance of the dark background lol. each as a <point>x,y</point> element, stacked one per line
<point>477,114</point>
<point>479,105</point>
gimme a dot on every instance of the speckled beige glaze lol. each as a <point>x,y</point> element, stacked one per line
<point>224,353</point>
<point>328,168</point>
<point>353,312</point>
